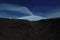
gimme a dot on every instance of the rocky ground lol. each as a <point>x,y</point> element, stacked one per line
<point>14,29</point>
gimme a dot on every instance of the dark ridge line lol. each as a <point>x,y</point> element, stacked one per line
<point>30,21</point>
<point>48,19</point>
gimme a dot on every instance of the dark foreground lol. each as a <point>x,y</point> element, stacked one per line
<point>13,29</point>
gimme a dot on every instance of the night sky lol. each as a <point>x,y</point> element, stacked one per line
<point>45,8</point>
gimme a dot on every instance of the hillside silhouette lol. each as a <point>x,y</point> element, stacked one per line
<point>18,29</point>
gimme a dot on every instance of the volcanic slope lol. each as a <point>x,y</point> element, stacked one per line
<point>17,29</point>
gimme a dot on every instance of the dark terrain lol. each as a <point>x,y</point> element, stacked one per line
<point>14,29</point>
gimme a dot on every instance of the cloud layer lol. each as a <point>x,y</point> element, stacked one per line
<point>15,8</point>
<point>10,7</point>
